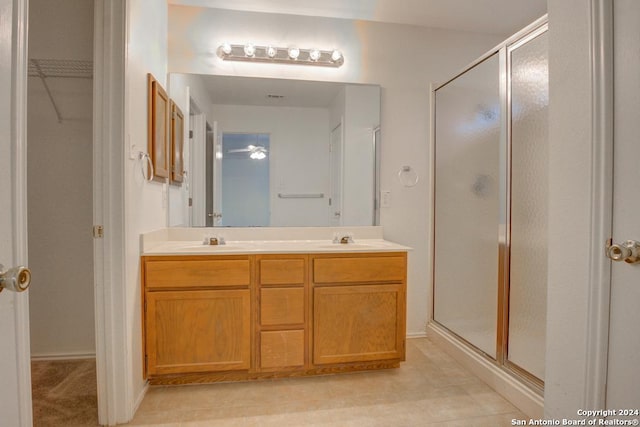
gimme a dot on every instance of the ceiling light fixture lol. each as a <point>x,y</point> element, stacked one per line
<point>280,55</point>
<point>257,155</point>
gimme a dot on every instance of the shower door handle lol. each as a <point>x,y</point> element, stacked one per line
<point>629,251</point>
<point>15,279</point>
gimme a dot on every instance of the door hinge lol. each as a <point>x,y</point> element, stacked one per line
<point>98,232</point>
<point>145,307</point>
<point>146,361</point>
<point>190,201</point>
<point>190,134</point>
<point>329,201</point>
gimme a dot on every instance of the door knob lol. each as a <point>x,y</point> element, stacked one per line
<point>629,251</point>
<point>15,279</point>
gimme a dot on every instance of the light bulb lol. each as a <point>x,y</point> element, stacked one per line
<point>314,55</point>
<point>249,49</point>
<point>272,51</point>
<point>257,155</point>
<point>294,52</point>
<point>336,55</point>
<point>226,48</point>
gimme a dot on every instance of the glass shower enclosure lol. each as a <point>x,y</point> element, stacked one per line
<point>490,197</point>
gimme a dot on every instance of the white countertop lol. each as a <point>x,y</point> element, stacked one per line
<point>232,247</point>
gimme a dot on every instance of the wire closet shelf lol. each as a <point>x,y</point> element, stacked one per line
<point>59,68</point>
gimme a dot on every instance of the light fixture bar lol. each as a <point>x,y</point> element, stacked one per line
<point>280,55</point>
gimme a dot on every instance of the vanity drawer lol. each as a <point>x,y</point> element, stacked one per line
<point>281,306</point>
<point>280,349</point>
<point>197,273</point>
<point>282,271</point>
<point>359,269</point>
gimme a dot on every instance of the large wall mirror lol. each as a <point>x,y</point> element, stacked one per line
<point>274,153</point>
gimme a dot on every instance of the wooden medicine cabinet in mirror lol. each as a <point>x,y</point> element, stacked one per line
<point>158,128</point>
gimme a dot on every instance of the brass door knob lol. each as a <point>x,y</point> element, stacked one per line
<point>629,251</point>
<point>15,279</point>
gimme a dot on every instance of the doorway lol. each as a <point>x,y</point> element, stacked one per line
<point>246,195</point>
<point>60,214</point>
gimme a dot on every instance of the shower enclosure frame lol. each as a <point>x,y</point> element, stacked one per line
<point>504,51</point>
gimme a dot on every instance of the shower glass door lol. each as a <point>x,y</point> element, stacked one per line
<point>467,204</point>
<point>491,190</point>
<point>529,89</point>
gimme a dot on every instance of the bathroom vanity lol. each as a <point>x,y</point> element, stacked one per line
<point>271,308</point>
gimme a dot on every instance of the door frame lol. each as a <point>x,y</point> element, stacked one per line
<point>114,390</point>
<point>599,291</point>
<point>581,158</point>
<point>20,21</point>
<point>113,358</point>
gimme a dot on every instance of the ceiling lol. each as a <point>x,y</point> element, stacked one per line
<point>499,17</point>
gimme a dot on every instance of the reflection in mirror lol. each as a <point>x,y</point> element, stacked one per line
<point>271,152</point>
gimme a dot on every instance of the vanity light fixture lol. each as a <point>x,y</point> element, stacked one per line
<point>272,51</point>
<point>314,55</point>
<point>293,52</point>
<point>249,50</point>
<point>280,55</point>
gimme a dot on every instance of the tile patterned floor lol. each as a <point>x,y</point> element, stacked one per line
<point>429,389</point>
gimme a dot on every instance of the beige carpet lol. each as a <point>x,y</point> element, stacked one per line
<point>64,393</point>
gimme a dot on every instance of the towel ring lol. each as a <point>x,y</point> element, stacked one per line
<point>407,176</point>
<point>148,177</point>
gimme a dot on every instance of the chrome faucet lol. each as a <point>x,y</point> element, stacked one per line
<point>343,238</point>
<point>214,240</point>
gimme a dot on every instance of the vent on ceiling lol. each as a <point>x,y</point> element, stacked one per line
<point>274,96</point>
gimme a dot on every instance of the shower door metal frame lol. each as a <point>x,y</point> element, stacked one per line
<point>504,51</point>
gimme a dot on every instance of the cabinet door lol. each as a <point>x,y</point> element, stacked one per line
<point>198,331</point>
<point>358,323</point>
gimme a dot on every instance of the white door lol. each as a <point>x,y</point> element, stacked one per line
<point>15,381</point>
<point>623,374</point>
<point>335,176</point>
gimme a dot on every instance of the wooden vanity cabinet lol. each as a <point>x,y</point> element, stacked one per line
<point>359,308</point>
<point>282,328</point>
<point>238,317</point>
<point>197,315</point>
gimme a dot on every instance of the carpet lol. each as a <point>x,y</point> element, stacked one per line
<point>64,393</point>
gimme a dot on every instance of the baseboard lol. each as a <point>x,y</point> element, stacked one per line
<point>416,335</point>
<point>62,356</point>
<point>519,394</point>
<point>139,399</point>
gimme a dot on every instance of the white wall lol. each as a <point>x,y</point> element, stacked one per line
<point>570,172</point>
<point>299,156</point>
<point>60,188</point>
<point>145,202</point>
<point>404,60</point>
